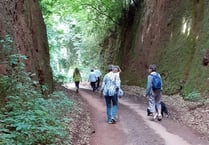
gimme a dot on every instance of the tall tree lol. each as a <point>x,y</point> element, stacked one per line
<point>22,20</point>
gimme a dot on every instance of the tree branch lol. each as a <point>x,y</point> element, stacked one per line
<point>100,12</point>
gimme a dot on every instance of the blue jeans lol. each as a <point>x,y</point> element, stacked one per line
<point>112,106</point>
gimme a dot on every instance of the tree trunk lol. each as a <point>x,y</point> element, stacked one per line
<point>23,21</point>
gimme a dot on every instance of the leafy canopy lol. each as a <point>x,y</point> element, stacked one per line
<point>76,29</point>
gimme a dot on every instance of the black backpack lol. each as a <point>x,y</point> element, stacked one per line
<point>156,82</point>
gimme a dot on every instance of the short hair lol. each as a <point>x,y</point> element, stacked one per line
<point>116,66</point>
<point>152,67</point>
<point>109,67</point>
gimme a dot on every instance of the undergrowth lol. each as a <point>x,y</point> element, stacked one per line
<point>26,118</point>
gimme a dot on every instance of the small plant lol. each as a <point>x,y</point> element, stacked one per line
<point>60,78</point>
<point>193,96</point>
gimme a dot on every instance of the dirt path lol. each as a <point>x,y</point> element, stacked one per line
<point>134,127</point>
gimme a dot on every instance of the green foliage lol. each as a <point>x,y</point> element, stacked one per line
<point>27,118</point>
<point>34,121</point>
<point>77,29</point>
<point>47,6</point>
<point>61,78</point>
<point>6,47</point>
<point>193,96</point>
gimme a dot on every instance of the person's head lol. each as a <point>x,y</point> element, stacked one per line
<point>76,70</point>
<point>152,68</point>
<point>116,69</point>
<point>110,68</point>
<point>92,70</point>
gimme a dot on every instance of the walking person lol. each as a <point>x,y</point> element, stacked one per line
<point>154,92</point>
<point>77,78</point>
<point>92,79</point>
<point>109,86</point>
<point>116,71</point>
<point>98,75</point>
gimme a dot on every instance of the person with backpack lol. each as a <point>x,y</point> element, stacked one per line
<point>154,92</point>
<point>76,78</point>
<point>109,89</point>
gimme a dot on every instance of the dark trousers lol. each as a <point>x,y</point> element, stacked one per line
<point>77,84</point>
<point>93,85</point>
<point>98,82</point>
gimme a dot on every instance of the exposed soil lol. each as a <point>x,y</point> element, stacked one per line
<point>187,123</point>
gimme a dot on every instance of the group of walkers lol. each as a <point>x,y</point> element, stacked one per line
<point>111,86</point>
<point>94,78</point>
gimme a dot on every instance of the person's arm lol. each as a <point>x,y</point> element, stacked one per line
<point>100,73</point>
<point>103,83</point>
<point>95,77</point>
<point>149,85</point>
<point>117,80</point>
<point>89,78</point>
<point>80,77</point>
<point>74,77</point>
<point>161,82</point>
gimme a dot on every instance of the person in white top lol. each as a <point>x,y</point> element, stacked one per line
<point>110,85</point>
<point>98,75</point>
<point>92,79</point>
